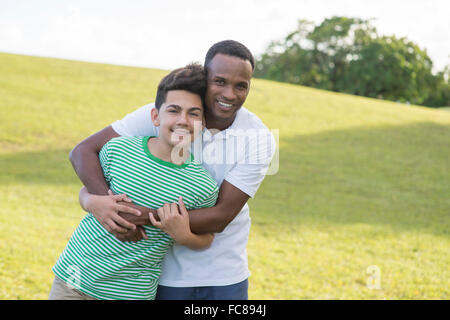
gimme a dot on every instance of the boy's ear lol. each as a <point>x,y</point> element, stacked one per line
<point>203,122</point>
<point>155,117</point>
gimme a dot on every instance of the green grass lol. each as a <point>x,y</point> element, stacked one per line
<point>361,182</point>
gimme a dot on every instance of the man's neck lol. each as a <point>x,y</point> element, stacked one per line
<point>168,153</point>
<point>219,124</point>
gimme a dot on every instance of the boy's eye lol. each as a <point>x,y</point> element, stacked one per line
<point>219,81</point>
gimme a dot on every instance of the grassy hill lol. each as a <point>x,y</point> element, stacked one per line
<point>361,182</point>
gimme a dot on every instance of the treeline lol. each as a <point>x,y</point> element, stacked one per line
<point>348,55</point>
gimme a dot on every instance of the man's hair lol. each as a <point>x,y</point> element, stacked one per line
<point>230,48</point>
<point>191,78</point>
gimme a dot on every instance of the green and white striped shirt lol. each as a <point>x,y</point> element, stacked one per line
<point>98,264</point>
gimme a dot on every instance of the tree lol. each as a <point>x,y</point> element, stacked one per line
<point>287,61</point>
<point>440,89</point>
<point>314,55</point>
<point>347,55</point>
<point>389,68</point>
<point>334,41</point>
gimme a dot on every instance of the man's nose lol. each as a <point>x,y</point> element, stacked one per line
<point>228,93</point>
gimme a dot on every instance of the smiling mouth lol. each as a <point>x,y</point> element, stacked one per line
<point>181,132</point>
<point>225,105</point>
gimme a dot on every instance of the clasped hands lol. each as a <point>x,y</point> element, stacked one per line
<point>125,221</point>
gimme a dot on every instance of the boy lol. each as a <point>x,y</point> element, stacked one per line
<point>152,171</point>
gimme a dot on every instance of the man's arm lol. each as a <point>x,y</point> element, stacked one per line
<point>230,202</point>
<point>231,198</point>
<point>85,161</point>
<point>104,205</point>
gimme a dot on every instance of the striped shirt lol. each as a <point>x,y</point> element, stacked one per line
<point>98,264</point>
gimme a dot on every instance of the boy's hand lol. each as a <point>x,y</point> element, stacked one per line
<point>106,210</point>
<point>174,221</point>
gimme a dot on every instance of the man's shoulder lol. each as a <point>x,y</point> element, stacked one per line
<point>125,140</point>
<point>249,120</point>
<point>124,143</point>
<point>136,123</point>
<point>248,123</point>
<point>251,126</point>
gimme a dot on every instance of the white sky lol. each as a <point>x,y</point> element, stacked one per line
<point>170,33</point>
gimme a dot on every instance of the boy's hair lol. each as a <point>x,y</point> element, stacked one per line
<point>191,78</point>
<point>229,48</point>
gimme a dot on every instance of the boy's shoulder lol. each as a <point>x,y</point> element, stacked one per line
<point>201,173</point>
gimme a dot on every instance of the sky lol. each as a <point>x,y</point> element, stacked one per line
<point>172,33</point>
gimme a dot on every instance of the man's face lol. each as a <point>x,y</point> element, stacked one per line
<point>179,118</point>
<point>228,85</point>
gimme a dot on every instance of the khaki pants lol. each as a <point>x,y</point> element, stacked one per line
<point>62,291</point>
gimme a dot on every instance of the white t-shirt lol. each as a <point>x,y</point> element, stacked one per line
<point>240,154</point>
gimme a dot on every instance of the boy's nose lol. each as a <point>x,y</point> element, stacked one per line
<point>182,119</point>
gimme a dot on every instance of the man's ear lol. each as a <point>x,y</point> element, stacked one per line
<point>155,117</point>
<point>203,122</point>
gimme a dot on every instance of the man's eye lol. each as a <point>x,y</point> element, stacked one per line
<point>218,81</point>
<point>173,111</point>
<point>194,114</point>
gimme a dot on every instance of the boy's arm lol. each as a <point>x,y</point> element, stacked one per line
<point>199,241</point>
<point>174,220</point>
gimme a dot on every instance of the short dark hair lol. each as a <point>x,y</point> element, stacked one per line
<point>230,48</point>
<point>191,78</point>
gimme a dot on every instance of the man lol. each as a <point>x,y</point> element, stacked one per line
<point>221,271</point>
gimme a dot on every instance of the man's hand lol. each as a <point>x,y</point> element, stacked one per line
<point>134,235</point>
<point>106,210</point>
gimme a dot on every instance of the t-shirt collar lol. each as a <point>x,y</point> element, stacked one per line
<point>230,131</point>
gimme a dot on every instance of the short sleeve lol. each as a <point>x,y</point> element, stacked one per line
<point>105,161</point>
<point>209,200</point>
<point>137,123</point>
<point>249,172</point>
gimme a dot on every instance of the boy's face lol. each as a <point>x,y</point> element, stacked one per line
<point>179,118</point>
<point>228,85</point>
